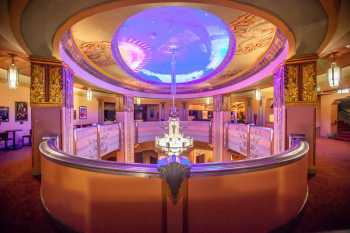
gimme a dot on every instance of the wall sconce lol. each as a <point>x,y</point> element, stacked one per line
<point>138,100</point>
<point>89,94</point>
<point>12,74</point>
<point>334,73</point>
<point>208,100</point>
<point>258,94</point>
<point>271,118</point>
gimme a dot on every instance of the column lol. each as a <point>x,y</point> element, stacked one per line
<point>67,110</point>
<point>126,118</point>
<point>51,100</point>
<point>184,111</point>
<point>221,116</point>
<point>301,98</point>
<point>279,111</point>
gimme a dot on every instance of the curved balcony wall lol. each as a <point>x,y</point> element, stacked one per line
<point>103,196</point>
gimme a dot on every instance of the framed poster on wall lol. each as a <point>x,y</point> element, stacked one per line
<point>4,114</point>
<point>21,111</point>
<point>82,112</point>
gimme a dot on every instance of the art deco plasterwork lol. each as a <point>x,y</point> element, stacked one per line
<point>291,86</point>
<point>37,87</point>
<point>309,82</point>
<point>300,82</point>
<point>252,32</point>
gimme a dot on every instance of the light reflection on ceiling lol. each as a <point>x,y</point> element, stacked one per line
<point>203,43</point>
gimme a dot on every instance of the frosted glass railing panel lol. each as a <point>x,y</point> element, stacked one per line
<point>199,130</point>
<point>147,131</point>
<point>238,138</point>
<point>85,142</point>
<point>251,141</point>
<point>260,141</point>
<point>109,138</point>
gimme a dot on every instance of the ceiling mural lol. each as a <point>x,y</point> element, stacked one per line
<point>252,32</point>
<point>253,39</point>
<point>99,52</point>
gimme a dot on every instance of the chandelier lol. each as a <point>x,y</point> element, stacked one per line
<point>173,142</point>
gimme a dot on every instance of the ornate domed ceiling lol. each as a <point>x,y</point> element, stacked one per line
<point>156,43</point>
<point>217,46</point>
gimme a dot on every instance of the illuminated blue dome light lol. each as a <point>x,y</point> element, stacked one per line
<point>203,43</point>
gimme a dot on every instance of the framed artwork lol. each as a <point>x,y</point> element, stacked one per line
<point>82,112</point>
<point>21,111</point>
<point>4,114</point>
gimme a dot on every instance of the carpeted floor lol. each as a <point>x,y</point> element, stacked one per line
<point>328,207</point>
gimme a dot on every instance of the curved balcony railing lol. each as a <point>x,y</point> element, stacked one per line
<point>256,195</point>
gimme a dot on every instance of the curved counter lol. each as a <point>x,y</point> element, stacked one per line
<point>102,196</point>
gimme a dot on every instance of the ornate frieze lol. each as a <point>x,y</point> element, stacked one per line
<point>46,82</point>
<point>300,81</point>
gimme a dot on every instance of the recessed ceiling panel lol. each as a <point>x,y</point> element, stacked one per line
<point>196,42</point>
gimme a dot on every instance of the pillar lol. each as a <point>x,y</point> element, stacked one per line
<point>126,118</point>
<point>184,111</point>
<point>301,99</point>
<point>221,117</point>
<point>279,110</point>
<point>51,100</point>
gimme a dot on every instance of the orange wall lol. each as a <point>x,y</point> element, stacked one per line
<point>92,108</point>
<point>7,99</point>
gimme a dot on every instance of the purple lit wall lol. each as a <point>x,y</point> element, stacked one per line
<point>203,44</point>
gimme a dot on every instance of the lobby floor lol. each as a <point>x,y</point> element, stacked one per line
<point>328,207</point>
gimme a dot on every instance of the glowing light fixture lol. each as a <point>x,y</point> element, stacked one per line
<point>208,100</point>
<point>173,142</point>
<point>89,94</point>
<point>138,100</point>
<point>12,74</point>
<point>334,73</point>
<point>258,94</point>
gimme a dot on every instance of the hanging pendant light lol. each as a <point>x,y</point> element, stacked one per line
<point>12,74</point>
<point>258,94</point>
<point>89,94</point>
<point>334,74</point>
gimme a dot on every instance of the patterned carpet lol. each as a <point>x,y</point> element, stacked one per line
<point>328,207</point>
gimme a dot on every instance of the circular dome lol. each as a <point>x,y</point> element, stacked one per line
<point>198,43</point>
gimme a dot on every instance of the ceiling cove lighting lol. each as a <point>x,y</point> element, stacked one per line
<point>89,94</point>
<point>142,44</point>
<point>12,74</point>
